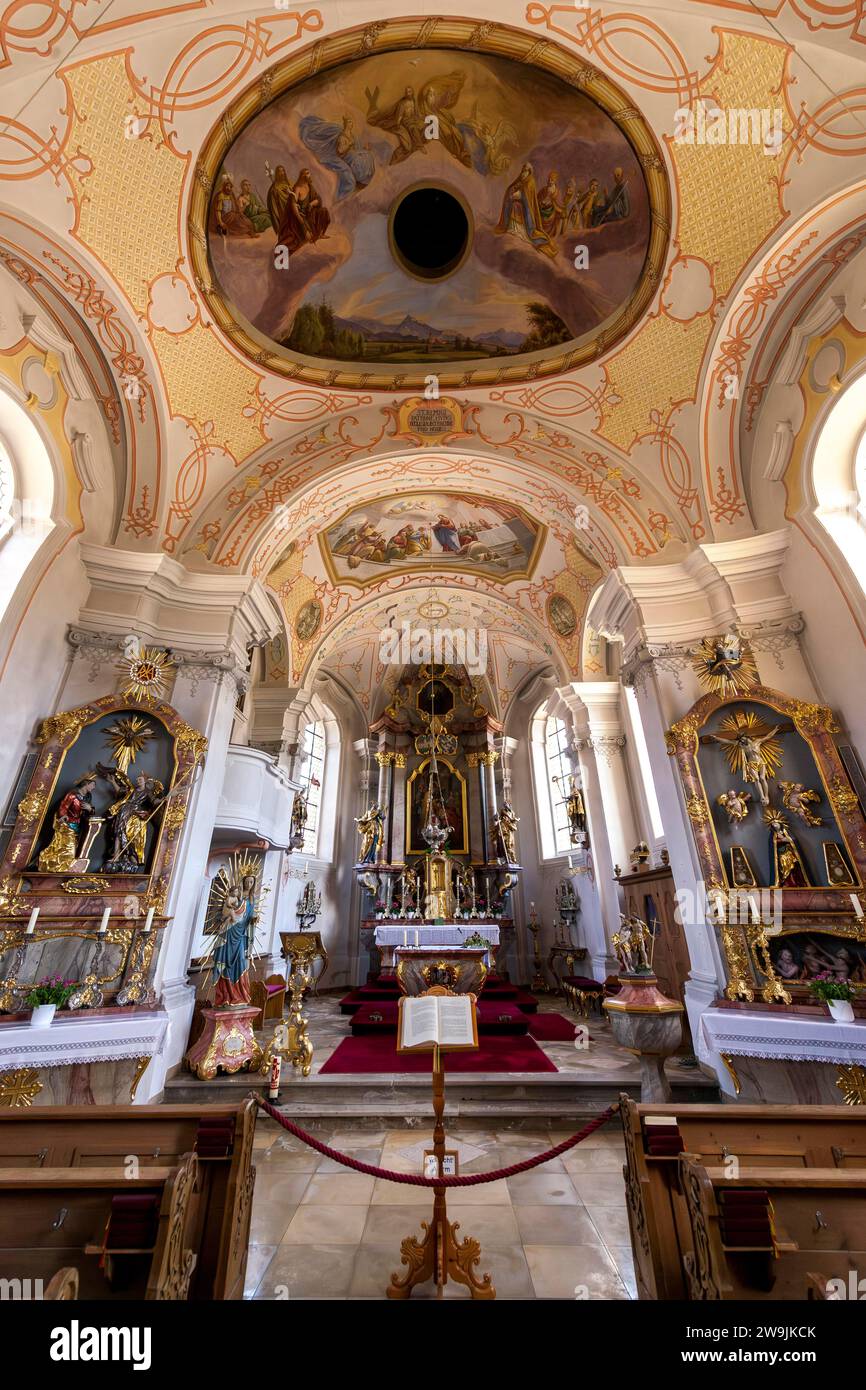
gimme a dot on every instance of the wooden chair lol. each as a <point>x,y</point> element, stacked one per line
<point>94,1136</point>
<point>807,1136</point>
<point>269,997</point>
<point>771,1233</point>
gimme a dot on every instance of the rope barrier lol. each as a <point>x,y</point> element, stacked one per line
<point>469,1180</point>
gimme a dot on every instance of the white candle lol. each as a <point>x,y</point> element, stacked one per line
<point>103,926</point>
<point>753,904</point>
<point>570,862</point>
<point>149,918</point>
<point>858,906</point>
<point>31,925</point>
<point>405,937</point>
<point>417,943</point>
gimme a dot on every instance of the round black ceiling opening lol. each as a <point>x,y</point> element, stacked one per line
<point>430,232</point>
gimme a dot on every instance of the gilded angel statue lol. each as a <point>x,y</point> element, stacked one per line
<point>800,800</point>
<point>735,803</point>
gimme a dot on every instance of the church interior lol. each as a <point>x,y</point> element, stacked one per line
<point>432,617</point>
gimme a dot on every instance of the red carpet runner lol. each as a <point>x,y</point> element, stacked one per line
<point>377,1053</point>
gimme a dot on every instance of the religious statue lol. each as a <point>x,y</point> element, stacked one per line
<point>505,831</point>
<point>299,819</point>
<point>789,871</point>
<point>752,750</point>
<point>735,803</point>
<point>232,918</point>
<point>70,824</point>
<point>371,828</point>
<point>408,890</point>
<point>128,818</point>
<point>631,944</point>
<point>800,799</point>
<point>621,942</point>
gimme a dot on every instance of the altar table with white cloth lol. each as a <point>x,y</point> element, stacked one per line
<point>430,934</point>
<point>784,1057</point>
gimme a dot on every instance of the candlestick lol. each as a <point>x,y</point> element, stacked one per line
<point>103,926</point>
<point>149,919</point>
<point>31,925</point>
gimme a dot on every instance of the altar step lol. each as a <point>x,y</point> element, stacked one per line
<point>405,1099</point>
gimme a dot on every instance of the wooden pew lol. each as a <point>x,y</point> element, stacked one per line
<point>156,1135</point>
<point>771,1233</point>
<point>53,1217</point>
<point>807,1136</point>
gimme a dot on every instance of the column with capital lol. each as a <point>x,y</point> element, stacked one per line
<point>593,710</point>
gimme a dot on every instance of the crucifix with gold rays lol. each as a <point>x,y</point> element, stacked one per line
<point>752,748</point>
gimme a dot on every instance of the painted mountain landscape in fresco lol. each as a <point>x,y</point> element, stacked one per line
<point>542,169</point>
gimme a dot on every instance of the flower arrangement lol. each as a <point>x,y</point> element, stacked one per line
<point>52,990</point>
<point>476,939</point>
<point>825,988</point>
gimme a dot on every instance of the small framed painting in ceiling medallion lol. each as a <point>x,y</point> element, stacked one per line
<point>561,616</point>
<point>414,532</point>
<point>308,620</point>
<point>429,198</point>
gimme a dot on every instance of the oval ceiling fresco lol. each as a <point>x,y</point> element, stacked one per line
<point>432,210</point>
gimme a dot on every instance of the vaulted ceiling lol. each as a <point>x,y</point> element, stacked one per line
<point>231,462</point>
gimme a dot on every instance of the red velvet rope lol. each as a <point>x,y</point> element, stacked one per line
<point>470,1180</point>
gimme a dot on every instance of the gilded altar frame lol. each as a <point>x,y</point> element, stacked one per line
<point>813,909</point>
<point>72,903</point>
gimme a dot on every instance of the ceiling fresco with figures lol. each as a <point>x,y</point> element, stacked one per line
<point>536,167</point>
<point>237,454</point>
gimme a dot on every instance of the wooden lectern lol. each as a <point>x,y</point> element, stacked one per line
<point>439,1254</point>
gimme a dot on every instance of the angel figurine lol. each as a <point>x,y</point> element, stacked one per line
<point>735,803</point>
<point>797,798</point>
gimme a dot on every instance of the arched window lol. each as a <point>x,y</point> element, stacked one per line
<point>839,478</point>
<point>551,769</point>
<point>26,495</point>
<point>313,754</point>
<point>7,492</point>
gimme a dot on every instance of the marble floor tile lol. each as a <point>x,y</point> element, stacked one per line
<point>491,1225</point>
<point>599,1160</point>
<point>611,1224</point>
<point>602,1189</point>
<point>279,1185</point>
<point>555,1225</point>
<point>397,1194</point>
<point>318,1225</point>
<point>330,1165</point>
<point>339,1189</point>
<point>258,1259</point>
<point>485,1193</point>
<point>624,1261</point>
<point>540,1189</point>
<point>581,1272</point>
<point>270,1221</point>
<point>308,1271</point>
<point>386,1224</point>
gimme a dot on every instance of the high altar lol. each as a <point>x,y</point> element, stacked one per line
<point>438,859</point>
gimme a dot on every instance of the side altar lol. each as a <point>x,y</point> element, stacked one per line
<point>85,874</point>
<point>780,833</point>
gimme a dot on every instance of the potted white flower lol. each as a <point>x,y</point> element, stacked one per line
<point>836,994</point>
<point>48,996</point>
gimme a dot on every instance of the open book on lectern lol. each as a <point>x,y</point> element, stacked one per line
<point>427,1019</point>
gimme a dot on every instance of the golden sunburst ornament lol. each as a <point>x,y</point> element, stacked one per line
<point>126,739</point>
<point>725,665</point>
<point>147,674</point>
